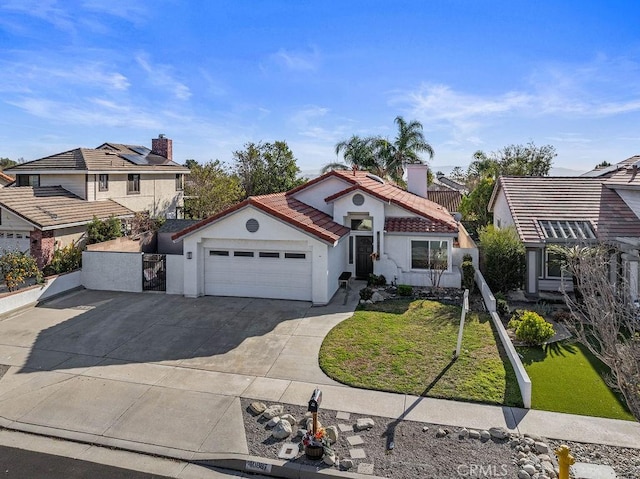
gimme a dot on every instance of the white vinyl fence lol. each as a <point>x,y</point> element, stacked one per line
<point>52,286</point>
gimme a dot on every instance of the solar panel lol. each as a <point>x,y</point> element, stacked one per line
<point>136,159</point>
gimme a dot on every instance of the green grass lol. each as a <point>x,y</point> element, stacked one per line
<point>566,377</point>
<point>406,347</point>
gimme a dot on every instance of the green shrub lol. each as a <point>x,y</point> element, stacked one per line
<point>64,260</point>
<point>16,267</point>
<point>502,306</point>
<point>533,329</point>
<point>503,258</point>
<point>405,290</point>
<point>467,257</point>
<point>468,276</point>
<point>516,317</point>
<point>366,293</point>
<point>375,280</point>
<point>99,231</point>
<point>561,316</point>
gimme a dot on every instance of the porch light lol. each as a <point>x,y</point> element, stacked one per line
<point>189,255</point>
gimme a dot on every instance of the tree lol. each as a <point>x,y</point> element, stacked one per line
<point>99,230</point>
<point>513,160</point>
<point>210,188</point>
<point>605,319</point>
<point>7,163</point>
<point>475,206</point>
<point>603,164</point>
<point>265,168</point>
<point>16,267</point>
<point>357,152</point>
<point>503,258</point>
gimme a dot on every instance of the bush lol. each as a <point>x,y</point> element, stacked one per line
<point>375,280</point>
<point>532,328</point>
<point>16,267</point>
<point>99,231</point>
<point>405,290</point>
<point>64,260</point>
<point>366,293</point>
<point>502,306</point>
<point>467,257</point>
<point>561,316</point>
<point>503,258</point>
<point>468,276</point>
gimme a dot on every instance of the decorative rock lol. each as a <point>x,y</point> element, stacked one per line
<point>329,459</point>
<point>310,424</point>
<point>289,418</point>
<point>499,433</point>
<point>425,428</point>
<point>288,451</point>
<point>526,449</point>
<point>377,297</point>
<point>544,457</point>
<point>281,430</point>
<point>346,463</point>
<point>441,433</point>
<point>485,435</point>
<point>332,434</point>
<point>535,437</point>
<point>548,468</point>
<point>257,408</point>
<point>541,448</point>
<point>273,411</point>
<point>474,434</point>
<point>524,475</point>
<point>529,469</point>
<point>273,421</point>
<point>364,423</point>
<point>301,432</point>
<point>463,433</point>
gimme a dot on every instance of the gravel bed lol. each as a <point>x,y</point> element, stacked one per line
<point>418,453</point>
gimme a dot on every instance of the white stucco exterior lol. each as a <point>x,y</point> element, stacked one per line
<point>501,213</point>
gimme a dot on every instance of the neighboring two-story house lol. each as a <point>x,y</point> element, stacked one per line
<point>295,245</point>
<point>53,198</point>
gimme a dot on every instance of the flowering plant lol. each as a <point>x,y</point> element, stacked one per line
<point>319,439</point>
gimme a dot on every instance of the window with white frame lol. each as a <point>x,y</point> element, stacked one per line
<point>430,254</point>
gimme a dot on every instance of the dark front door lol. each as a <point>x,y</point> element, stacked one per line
<point>364,262</point>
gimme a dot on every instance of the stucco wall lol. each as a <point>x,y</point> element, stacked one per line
<point>315,194</point>
<point>11,222</point>
<point>54,285</point>
<point>66,236</point>
<point>75,183</point>
<point>175,274</point>
<point>501,213</point>
<point>112,271</point>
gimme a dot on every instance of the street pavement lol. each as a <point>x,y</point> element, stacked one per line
<point>164,375</point>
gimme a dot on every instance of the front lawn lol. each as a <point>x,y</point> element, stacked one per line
<point>406,347</point>
<point>566,377</point>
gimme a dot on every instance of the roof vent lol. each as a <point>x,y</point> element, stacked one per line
<point>375,178</point>
<point>252,225</point>
<point>358,199</point>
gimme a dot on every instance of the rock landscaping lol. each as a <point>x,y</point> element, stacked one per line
<point>401,449</point>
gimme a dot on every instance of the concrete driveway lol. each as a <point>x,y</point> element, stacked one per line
<point>148,369</point>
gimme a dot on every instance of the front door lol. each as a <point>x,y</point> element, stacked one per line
<point>364,262</point>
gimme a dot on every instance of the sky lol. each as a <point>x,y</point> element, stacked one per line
<point>214,75</point>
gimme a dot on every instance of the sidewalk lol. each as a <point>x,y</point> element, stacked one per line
<point>195,415</point>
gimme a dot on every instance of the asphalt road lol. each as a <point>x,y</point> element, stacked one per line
<point>21,464</point>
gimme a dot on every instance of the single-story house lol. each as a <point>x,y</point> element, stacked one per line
<point>295,245</point>
<point>569,211</point>
<point>36,219</point>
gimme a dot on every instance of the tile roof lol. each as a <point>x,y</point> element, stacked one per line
<point>6,179</point>
<point>107,157</point>
<point>413,224</point>
<point>52,207</point>
<point>450,199</point>
<point>288,209</point>
<point>531,199</point>
<point>625,175</point>
<point>388,192</point>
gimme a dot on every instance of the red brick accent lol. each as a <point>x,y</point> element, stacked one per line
<point>42,247</point>
<point>162,146</point>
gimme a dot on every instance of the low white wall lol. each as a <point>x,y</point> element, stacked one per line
<point>112,271</point>
<point>53,285</point>
<point>521,374</point>
<point>175,274</point>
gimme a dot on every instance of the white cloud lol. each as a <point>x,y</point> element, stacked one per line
<point>297,60</point>
<point>160,76</point>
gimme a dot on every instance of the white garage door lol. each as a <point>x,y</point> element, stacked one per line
<point>260,273</point>
<point>14,240</point>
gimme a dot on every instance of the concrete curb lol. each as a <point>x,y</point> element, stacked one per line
<point>235,461</point>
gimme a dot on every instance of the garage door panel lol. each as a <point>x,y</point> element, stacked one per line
<point>279,278</point>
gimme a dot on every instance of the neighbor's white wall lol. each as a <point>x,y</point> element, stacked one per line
<point>112,271</point>
<point>315,194</point>
<point>54,285</point>
<point>338,262</point>
<point>501,212</point>
<point>75,183</point>
<point>175,274</point>
<point>66,236</point>
<point>11,222</point>
<point>632,199</point>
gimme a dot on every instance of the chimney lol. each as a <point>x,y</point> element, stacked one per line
<point>417,179</point>
<point>162,146</point>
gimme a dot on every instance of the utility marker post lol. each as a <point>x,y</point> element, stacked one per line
<point>465,309</point>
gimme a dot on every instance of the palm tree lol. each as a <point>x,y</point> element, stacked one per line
<point>405,148</point>
<point>357,152</point>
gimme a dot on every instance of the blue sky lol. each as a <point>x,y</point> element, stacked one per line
<point>213,75</point>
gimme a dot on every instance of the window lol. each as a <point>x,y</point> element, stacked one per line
<point>243,254</point>
<point>179,182</point>
<point>268,254</point>
<point>350,249</point>
<point>218,253</point>
<point>133,184</point>
<point>365,224</point>
<point>554,265</point>
<point>429,255</point>
<point>295,255</point>
<point>28,180</point>
<point>103,182</point>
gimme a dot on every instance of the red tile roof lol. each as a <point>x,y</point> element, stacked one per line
<point>566,198</point>
<point>388,192</point>
<point>286,208</point>
<point>414,225</point>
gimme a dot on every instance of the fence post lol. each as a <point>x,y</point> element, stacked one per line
<point>465,308</point>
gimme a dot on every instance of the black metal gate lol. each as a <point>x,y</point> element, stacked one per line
<point>154,272</point>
